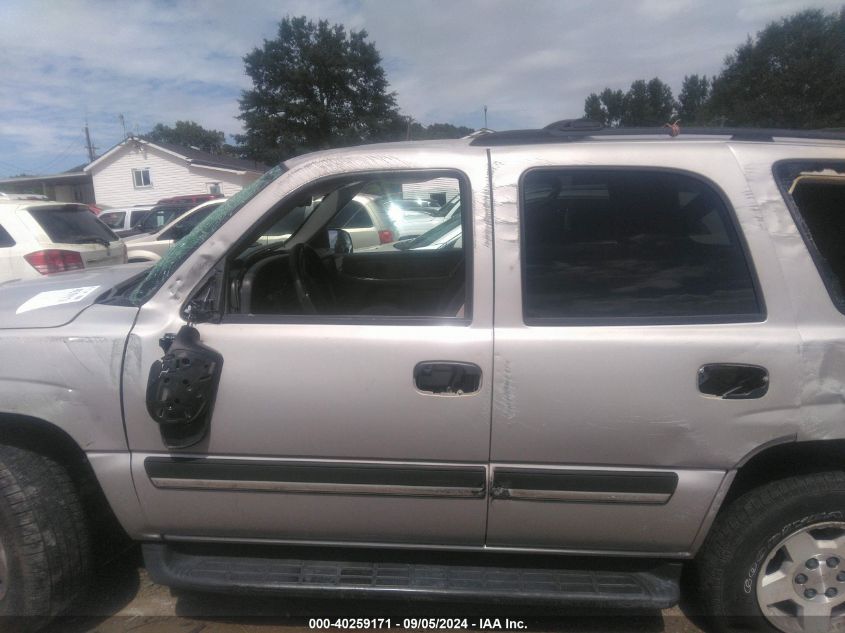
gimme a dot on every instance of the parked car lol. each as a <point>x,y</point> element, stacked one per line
<point>192,199</point>
<point>412,217</point>
<point>632,366</point>
<point>447,234</point>
<point>124,218</point>
<point>150,248</point>
<point>40,238</point>
<point>156,218</point>
<point>366,221</point>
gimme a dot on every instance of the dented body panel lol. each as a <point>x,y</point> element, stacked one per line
<point>561,410</point>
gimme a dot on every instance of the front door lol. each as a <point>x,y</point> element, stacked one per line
<point>354,397</point>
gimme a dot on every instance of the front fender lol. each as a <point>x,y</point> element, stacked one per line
<point>70,375</point>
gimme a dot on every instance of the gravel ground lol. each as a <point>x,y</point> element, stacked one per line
<point>124,599</point>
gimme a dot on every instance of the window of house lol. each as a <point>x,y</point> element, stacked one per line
<point>141,178</point>
<point>335,253</point>
<point>6,240</point>
<point>625,245</point>
<point>815,194</point>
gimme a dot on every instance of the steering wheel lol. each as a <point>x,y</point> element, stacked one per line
<point>313,283</point>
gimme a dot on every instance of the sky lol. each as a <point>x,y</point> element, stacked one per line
<point>530,62</point>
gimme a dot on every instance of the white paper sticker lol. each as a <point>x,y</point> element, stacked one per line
<point>55,298</point>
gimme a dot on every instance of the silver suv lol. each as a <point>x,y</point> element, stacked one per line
<point>634,354</point>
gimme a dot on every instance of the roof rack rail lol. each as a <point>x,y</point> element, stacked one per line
<point>564,131</point>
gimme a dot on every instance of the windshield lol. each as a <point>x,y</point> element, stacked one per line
<point>183,249</point>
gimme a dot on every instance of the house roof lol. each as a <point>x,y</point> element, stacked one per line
<point>193,156</point>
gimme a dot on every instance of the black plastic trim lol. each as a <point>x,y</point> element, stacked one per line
<point>733,223</point>
<point>315,472</point>
<point>556,135</point>
<point>659,482</point>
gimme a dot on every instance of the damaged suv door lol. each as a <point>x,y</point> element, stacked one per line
<point>316,389</point>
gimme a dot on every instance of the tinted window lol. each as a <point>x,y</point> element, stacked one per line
<point>71,224</point>
<point>5,239</point>
<point>160,216</point>
<point>817,193</point>
<point>617,245</point>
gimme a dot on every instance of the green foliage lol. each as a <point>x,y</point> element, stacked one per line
<point>437,131</point>
<point>606,108</point>
<point>189,134</point>
<point>645,104</point>
<point>315,86</point>
<point>692,100</point>
<point>791,75</point>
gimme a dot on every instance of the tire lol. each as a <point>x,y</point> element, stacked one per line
<point>765,532</point>
<point>45,550</point>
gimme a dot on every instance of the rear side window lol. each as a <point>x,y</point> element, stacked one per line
<point>5,239</point>
<point>815,194</point>
<point>113,220</point>
<point>630,246</point>
<point>71,224</point>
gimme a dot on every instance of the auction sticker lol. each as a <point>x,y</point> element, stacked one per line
<point>55,298</point>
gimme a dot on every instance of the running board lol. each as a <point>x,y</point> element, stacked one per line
<point>649,587</point>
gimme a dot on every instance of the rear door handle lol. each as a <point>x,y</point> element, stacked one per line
<point>447,377</point>
<point>733,381</point>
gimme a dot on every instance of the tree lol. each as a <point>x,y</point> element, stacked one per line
<point>315,87</point>
<point>189,134</point>
<point>693,99</point>
<point>605,108</point>
<point>647,104</point>
<point>792,74</point>
<point>437,131</point>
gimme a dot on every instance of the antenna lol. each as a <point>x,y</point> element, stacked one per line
<point>122,123</point>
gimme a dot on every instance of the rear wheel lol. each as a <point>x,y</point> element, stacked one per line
<point>45,553</point>
<point>775,558</point>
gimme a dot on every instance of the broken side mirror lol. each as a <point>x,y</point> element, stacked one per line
<point>182,388</point>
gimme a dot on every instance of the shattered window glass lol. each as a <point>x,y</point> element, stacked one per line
<point>174,258</point>
<point>816,192</point>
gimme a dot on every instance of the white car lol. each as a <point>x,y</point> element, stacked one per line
<point>39,238</point>
<point>150,247</point>
<point>124,218</point>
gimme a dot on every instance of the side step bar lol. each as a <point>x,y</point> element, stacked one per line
<point>654,587</point>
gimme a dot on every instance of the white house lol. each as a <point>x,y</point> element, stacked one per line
<point>142,172</point>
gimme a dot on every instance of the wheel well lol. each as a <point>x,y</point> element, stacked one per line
<point>45,438</point>
<point>787,460</point>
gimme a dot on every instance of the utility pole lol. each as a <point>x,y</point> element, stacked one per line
<point>123,123</point>
<point>90,147</point>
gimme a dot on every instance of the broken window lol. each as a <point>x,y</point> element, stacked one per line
<point>815,194</point>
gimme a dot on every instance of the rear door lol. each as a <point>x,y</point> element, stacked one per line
<point>643,340</point>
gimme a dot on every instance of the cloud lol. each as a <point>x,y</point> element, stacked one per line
<point>159,61</point>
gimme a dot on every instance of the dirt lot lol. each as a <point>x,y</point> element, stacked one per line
<point>124,599</point>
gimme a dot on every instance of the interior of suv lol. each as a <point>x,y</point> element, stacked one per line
<point>315,269</point>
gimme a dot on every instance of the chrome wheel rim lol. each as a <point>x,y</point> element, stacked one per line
<point>801,584</point>
<point>4,571</point>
